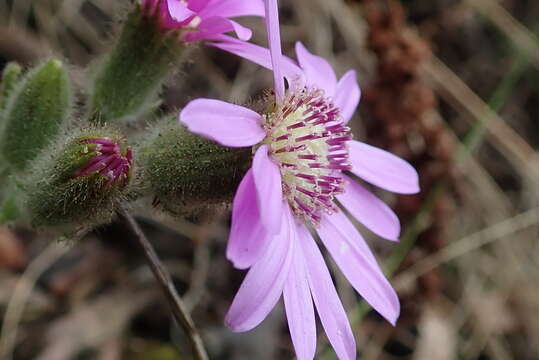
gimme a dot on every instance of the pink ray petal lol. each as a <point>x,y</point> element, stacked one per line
<point>354,258</point>
<point>326,299</point>
<point>197,5</point>
<point>179,11</point>
<point>318,72</point>
<point>383,169</point>
<point>369,210</point>
<point>261,56</point>
<point>241,31</point>
<point>299,308</point>
<point>213,26</point>
<point>269,190</point>
<point>228,124</point>
<point>274,40</point>
<point>233,8</point>
<point>347,95</point>
<point>248,239</point>
<point>263,285</point>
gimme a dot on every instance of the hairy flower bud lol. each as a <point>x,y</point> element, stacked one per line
<point>187,173</point>
<point>81,183</point>
<point>35,113</point>
<point>10,76</point>
<point>129,78</point>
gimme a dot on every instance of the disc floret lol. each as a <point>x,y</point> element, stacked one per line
<point>308,140</point>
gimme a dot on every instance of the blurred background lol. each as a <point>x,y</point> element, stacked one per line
<point>450,85</point>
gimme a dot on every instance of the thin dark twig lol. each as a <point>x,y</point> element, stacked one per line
<point>164,280</point>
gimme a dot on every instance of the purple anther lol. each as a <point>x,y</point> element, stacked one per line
<point>296,125</point>
<point>310,178</point>
<point>342,167</point>
<point>337,156</point>
<point>302,206</point>
<point>282,137</point>
<point>306,192</point>
<point>306,137</point>
<point>308,157</point>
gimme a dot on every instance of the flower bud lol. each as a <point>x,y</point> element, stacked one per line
<point>37,109</point>
<point>81,183</point>
<point>10,76</point>
<point>186,173</point>
<point>128,80</point>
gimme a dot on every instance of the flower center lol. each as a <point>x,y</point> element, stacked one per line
<point>308,139</point>
<point>108,160</point>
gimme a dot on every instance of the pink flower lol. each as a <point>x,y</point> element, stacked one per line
<point>204,19</point>
<point>296,181</point>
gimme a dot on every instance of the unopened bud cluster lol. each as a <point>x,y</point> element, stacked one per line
<point>82,182</point>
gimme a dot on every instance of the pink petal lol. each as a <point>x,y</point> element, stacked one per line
<point>269,190</point>
<point>241,31</point>
<point>274,40</point>
<point>178,11</point>
<point>354,258</point>
<point>263,285</point>
<point>262,57</point>
<point>318,72</point>
<point>197,5</point>
<point>213,26</point>
<point>369,210</point>
<point>248,239</point>
<point>228,124</point>
<point>347,95</point>
<point>233,8</point>
<point>299,308</point>
<point>383,169</point>
<point>326,299</point>
<point>349,231</point>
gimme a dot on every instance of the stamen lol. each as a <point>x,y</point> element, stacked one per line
<point>282,137</point>
<point>308,157</point>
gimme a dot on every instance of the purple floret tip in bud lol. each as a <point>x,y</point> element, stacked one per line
<point>109,160</point>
